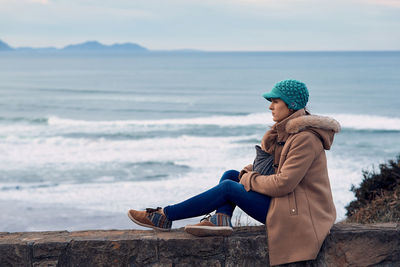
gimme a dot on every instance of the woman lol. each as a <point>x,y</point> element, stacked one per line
<point>295,202</point>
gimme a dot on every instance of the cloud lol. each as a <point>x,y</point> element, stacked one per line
<point>44,2</point>
<point>296,3</point>
<point>388,3</point>
<point>205,24</point>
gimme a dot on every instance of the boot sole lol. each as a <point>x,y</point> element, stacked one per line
<point>147,225</point>
<point>209,230</point>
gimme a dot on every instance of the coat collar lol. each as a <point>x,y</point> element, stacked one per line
<point>323,127</point>
<point>299,124</point>
<point>281,126</point>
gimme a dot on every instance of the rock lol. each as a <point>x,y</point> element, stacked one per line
<point>347,245</point>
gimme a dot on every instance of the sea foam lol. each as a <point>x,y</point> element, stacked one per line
<point>350,121</point>
<point>367,122</point>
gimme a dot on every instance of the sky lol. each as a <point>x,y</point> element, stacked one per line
<point>212,25</point>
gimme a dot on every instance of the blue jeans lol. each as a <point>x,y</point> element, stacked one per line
<point>223,198</point>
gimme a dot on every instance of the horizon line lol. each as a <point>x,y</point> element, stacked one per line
<point>194,50</point>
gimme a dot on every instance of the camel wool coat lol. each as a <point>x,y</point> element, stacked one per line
<point>301,211</point>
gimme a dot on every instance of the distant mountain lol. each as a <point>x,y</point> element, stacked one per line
<point>40,49</point>
<point>96,46</point>
<point>92,46</point>
<point>4,46</point>
<point>128,46</point>
<point>84,47</point>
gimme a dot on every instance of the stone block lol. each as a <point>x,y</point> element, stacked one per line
<point>347,245</point>
<point>14,255</point>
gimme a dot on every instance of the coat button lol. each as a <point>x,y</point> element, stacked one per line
<point>293,210</point>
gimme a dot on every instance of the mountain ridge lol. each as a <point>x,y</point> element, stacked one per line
<point>95,45</point>
<point>4,46</point>
<point>87,46</point>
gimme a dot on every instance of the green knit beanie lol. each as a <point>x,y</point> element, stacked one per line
<point>292,92</point>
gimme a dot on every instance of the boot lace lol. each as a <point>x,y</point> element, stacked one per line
<point>207,217</point>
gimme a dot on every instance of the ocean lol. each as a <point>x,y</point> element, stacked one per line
<point>85,137</point>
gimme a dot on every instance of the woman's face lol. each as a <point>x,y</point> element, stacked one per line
<point>279,109</point>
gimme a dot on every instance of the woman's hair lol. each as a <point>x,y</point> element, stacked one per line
<point>306,109</point>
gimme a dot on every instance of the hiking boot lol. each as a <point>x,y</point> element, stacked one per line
<point>218,224</point>
<point>152,218</point>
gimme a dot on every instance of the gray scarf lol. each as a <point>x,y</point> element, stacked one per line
<point>263,162</point>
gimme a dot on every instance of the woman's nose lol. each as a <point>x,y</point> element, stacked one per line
<point>270,107</point>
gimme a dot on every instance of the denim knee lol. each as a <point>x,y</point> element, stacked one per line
<point>230,175</point>
<point>229,187</point>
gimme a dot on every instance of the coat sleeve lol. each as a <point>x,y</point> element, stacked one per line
<point>246,169</point>
<point>302,152</point>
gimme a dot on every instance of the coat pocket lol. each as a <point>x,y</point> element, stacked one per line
<point>292,204</point>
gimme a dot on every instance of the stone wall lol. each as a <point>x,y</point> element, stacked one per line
<point>347,245</point>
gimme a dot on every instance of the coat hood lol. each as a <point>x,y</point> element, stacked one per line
<point>324,127</point>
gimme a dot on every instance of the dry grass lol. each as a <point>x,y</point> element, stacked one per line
<point>378,196</point>
<point>384,208</point>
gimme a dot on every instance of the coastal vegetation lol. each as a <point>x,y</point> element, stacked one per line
<point>378,195</point>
